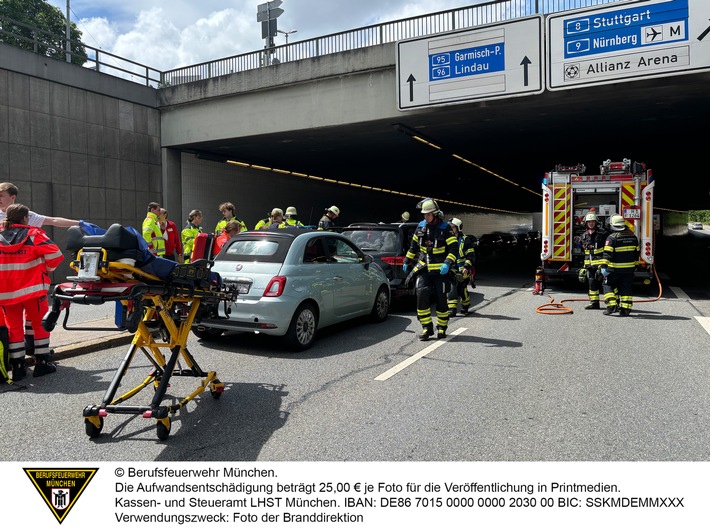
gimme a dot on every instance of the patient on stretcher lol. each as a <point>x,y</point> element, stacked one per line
<point>125,244</point>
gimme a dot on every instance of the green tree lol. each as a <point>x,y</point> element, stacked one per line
<point>39,26</point>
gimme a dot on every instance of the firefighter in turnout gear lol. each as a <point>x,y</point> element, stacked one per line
<point>593,245</point>
<point>432,253</point>
<point>465,259</point>
<point>621,252</point>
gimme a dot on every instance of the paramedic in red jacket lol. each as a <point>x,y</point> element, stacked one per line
<point>173,242</point>
<point>27,255</point>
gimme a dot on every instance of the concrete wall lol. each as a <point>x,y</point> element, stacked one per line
<point>77,144</point>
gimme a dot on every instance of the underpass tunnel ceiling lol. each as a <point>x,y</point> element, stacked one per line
<point>661,122</point>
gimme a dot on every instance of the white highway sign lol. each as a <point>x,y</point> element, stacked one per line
<point>493,61</point>
<point>646,39</point>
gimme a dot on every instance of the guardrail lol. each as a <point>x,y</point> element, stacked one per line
<point>52,45</point>
<point>387,32</point>
<point>377,34</point>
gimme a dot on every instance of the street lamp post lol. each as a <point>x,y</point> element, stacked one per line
<point>286,34</point>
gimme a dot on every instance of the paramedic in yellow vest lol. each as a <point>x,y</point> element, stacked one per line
<point>227,209</point>
<point>192,229</point>
<point>291,220</point>
<point>151,230</point>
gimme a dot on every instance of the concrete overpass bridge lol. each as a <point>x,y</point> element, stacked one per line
<point>336,117</point>
<point>326,130</point>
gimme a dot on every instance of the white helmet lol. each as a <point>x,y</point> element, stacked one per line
<point>591,217</point>
<point>617,222</point>
<point>405,216</point>
<point>429,205</point>
<point>458,223</point>
<point>334,210</point>
<point>291,211</point>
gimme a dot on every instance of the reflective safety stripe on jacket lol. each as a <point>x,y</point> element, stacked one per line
<point>26,257</point>
<point>621,251</point>
<point>153,235</point>
<point>436,244</point>
<point>593,246</point>
<point>466,257</point>
<point>188,238</point>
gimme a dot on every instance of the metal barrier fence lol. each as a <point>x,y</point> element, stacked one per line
<point>52,45</point>
<point>387,32</point>
<point>377,34</point>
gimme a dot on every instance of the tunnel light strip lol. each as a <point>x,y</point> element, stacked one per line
<point>358,185</point>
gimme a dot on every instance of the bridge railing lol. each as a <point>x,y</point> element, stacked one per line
<point>386,32</point>
<point>31,38</point>
<point>52,45</point>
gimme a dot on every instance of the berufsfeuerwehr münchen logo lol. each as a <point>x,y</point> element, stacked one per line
<point>60,488</point>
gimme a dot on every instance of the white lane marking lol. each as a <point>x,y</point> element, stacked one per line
<point>411,360</point>
<point>678,292</point>
<point>705,322</point>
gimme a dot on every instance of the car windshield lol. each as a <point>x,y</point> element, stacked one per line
<point>375,240</point>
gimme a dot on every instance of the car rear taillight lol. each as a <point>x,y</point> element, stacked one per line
<point>275,287</point>
<point>393,261</point>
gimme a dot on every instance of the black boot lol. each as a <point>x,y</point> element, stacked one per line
<point>441,333</point>
<point>610,310</point>
<point>624,312</point>
<point>43,367</point>
<point>465,310</point>
<point>426,333</point>
<point>19,371</point>
<point>593,306</point>
<point>452,313</point>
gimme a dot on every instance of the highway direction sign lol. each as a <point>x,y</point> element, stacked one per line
<point>646,39</point>
<point>493,61</point>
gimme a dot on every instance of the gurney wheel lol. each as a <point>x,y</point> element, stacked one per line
<point>92,431</point>
<point>163,428</point>
<point>217,389</point>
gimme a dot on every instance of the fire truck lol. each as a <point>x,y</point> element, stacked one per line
<point>568,194</point>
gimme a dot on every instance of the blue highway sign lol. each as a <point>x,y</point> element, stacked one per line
<point>650,38</point>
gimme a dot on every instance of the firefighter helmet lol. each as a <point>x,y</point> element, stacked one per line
<point>617,222</point>
<point>428,205</point>
<point>591,217</point>
<point>458,223</point>
<point>291,211</point>
<point>405,216</point>
<point>582,275</point>
<point>334,210</point>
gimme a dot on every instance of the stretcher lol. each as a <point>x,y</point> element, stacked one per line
<point>158,302</point>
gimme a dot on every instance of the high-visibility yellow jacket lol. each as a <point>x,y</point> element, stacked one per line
<point>153,235</point>
<point>188,238</point>
<point>220,225</point>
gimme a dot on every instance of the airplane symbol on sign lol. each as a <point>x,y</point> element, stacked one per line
<point>652,33</point>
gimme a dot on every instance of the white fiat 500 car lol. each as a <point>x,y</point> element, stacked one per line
<point>292,282</point>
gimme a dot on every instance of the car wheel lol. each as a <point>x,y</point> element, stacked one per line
<point>302,330</point>
<point>381,306</point>
<point>207,333</point>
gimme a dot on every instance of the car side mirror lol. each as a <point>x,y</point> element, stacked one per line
<point>367,260</point>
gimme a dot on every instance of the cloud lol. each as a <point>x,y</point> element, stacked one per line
<point>166,35</point>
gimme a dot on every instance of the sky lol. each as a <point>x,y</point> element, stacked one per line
<point>166,34</point>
